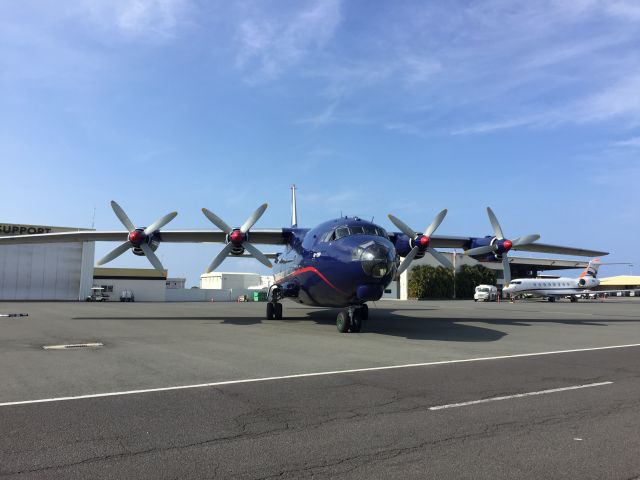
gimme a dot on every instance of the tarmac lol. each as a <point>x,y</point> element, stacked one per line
<point>434,389</point>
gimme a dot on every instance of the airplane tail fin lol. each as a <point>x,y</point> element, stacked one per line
<point>592,269</point>
<point>294,211</point>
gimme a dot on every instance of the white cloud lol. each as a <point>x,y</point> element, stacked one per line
<point>269,44</point>
<point>629,10</point>
<point>406,128</point>
<point>631,142</point>
<point>487,127</point>
<point>150,20</point>
<point>323,118</point>
<point>621,100</point>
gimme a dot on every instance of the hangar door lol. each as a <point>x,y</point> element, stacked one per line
<point>54,271</point>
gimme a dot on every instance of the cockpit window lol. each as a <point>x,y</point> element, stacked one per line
<point>341,232</point>
<point>345,231</point>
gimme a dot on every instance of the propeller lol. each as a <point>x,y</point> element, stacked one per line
<point>501,245</point>
<point>237,238</point>
<point>421,242</point>
<point>137,237</point>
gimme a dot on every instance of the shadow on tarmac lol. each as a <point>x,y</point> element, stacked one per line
<point>384,321</point>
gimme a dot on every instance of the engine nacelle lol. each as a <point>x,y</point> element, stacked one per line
<point>152,240</point>
<point>588,282</point>
<point>237,250</point>
<point>403,245</point>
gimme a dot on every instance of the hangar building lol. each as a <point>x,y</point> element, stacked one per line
<point>234,280</point>
<point>146,284</point>
<point>52,271</point>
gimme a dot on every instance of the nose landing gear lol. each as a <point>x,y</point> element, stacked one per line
<point>350,319</point>
<point>274,307</point>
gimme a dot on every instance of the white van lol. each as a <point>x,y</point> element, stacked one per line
<point>485,293</point>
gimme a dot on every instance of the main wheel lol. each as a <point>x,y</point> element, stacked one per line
<point>342,322</point>
<point>277,311</point>
<point>364,312</point>
<point>270,311</point>
<point>356,321</point>
<point>552,299</point>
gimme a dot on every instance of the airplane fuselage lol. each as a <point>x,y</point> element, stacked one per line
<point>342,262</point>
<point>551,287</point>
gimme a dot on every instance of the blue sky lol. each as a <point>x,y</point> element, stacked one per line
<point>370,107</point>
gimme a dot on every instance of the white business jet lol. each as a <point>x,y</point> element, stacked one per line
<point>552,288</point>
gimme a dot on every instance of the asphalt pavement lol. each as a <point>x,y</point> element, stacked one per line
<point>428,390</point>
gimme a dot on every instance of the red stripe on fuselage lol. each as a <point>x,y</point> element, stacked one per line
<point>300,271</point>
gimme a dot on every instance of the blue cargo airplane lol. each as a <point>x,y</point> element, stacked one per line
<point>342,263</point>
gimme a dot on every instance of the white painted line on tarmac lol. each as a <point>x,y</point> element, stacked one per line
<point>306,375</point>
<point>73,345</point>
<point>518,395</point>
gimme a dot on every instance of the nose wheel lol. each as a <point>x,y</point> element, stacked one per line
<point>274,310</point>
<point>350,319</point>
<point>274,307</point>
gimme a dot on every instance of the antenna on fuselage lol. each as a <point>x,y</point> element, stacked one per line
<point>294,212</point>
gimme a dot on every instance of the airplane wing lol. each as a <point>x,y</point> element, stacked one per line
<point>559,250</point>
<point>442,241</point>
<point>445,241</point>
<point>260,236</point>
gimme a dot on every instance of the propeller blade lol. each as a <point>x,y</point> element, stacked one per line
<point>255,216</point>
<point>436,223</point>
<point>149,253</point>
<point>217,221</point>
<point>479,250</point>
<point>403,227</point>
<point>495,224</point>
<point>115,253</point>
<point>526,240</point>
<point>441,258</point>
<point>161,222</point>
<point>407,260</point>
<point>219,258</point>
<point>257,254</point>
<point>507,270</point>
<point>117,209</point>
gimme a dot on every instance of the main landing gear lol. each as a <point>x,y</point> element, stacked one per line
<point>274,307</point>
<point>350,319</point>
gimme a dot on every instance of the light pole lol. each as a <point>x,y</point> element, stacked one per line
<point>454,274</point>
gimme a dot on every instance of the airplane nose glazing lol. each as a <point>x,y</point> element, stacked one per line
<point>375,258</point>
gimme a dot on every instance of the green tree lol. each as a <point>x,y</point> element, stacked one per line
<point>426,281</point>
<point>469,277</point>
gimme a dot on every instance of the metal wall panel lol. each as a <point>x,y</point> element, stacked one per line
<point>42,272</point>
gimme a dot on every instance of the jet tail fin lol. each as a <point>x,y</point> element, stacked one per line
<point>592,269</point>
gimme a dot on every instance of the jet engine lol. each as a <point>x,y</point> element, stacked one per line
<point>588,282</point>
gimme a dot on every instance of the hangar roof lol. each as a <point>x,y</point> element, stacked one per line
<point>7,229</point>
<point>131,273</point>
<point>620,280</point>
<point>539,263</point>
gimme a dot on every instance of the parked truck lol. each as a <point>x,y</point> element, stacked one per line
<point>485,293</point>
